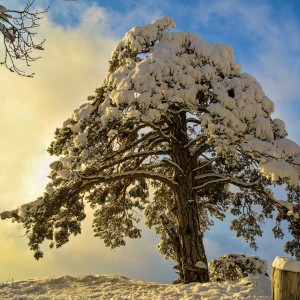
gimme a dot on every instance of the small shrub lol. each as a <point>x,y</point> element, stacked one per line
<point>236,266</point>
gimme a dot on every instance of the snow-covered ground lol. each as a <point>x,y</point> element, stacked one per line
<point>118,288</point>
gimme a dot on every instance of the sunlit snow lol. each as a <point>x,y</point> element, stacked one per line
<point>114,287</point>
<point>286,264</point>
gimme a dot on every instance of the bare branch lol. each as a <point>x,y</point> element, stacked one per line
<point>18,30</point>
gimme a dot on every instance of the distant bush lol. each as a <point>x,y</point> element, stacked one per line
<point>236,266</point>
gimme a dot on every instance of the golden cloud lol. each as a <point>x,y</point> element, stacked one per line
<point>73,64</point>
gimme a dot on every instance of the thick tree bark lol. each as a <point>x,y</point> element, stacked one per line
<point>192,261</point>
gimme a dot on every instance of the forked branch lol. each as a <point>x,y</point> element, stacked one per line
<point>18,30</point>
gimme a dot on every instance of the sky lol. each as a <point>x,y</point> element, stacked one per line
<point>80,36</point>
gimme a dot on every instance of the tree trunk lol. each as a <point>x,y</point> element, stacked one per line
<point>192,261</point>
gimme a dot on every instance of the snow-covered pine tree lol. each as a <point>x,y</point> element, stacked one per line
<point>176,115</point>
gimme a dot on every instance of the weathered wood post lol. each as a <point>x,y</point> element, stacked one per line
<point>285,279</point>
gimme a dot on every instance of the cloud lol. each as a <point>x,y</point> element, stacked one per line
<point>83,255</point>
<point>71,67</point>
<point>212,248</point>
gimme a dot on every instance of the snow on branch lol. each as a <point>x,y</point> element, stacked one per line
<point>21,212</point>
<point>173,164</point>
<point>130,157</point>
<point>208,162</point>
<point>132,174</point>
<point>129,146</point>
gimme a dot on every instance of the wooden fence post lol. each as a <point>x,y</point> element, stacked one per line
<point>285,278</point>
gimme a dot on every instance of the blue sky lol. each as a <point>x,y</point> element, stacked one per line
<point>80,36</point>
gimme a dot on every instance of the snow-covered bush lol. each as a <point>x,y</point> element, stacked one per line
<point>236,266</point>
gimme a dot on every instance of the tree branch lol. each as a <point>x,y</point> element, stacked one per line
<point>134,174</point>
<point>18,36</point>
<point>223,178</point>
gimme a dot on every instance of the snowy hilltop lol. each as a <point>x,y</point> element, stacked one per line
<point>121,288</point>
